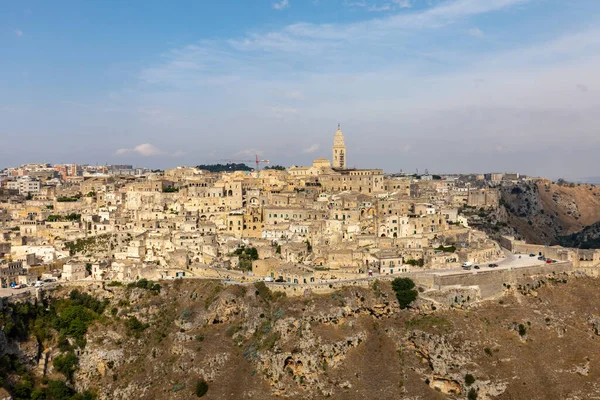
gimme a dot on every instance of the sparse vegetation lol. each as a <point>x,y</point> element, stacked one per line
<point>415,263</point>
<point>135,326</point>
<point>522,330</point>
<point>66,364</point>
<point>145,284</point>
<point>63,218</point>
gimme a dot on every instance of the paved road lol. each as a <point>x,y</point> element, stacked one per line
<point>511,261</point>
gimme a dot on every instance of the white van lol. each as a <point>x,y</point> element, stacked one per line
<point>467,265</point>
<point>268,279</point>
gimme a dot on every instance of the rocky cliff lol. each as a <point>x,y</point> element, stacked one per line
<point>540,341</point>
<point>542,212</point>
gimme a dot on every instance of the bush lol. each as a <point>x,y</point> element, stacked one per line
<point>134,325</point>
<point>405,293</point>
<point>201,387</point>
<point>472,395</point>
<point>469,379</point>
<point>415,263</point>
<point>522,330</point>
<point>145,284</point>
<point>66,364</point>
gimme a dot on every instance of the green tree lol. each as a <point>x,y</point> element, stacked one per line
<point>201,387</point>
<point>405,297</point>
<point>59,390</point>
<point>66,364</point>
<point>402,284</point>
<point>405,293</point>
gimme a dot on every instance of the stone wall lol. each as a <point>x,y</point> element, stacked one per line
<point>491,282</point>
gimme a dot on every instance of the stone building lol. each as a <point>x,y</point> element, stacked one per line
<point>339,150</point>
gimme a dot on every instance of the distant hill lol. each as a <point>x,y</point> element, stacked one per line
<point>229,167</point>
<point>547,213</point>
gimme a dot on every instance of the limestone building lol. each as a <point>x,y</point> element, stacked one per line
<point>339,150</point>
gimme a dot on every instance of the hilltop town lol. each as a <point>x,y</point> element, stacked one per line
<point>300,225</point>
<point>297,282</point>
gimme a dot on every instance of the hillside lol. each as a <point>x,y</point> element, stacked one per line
<point>356,343</point>
<point>543,212</point>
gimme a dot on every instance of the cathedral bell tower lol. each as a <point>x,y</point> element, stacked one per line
<point>339,150</point>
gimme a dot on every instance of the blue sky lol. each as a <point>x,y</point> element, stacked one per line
<point>448,85</point>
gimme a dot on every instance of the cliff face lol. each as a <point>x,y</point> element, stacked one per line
<point>540,341</point>
<point>352,344</point>
<point>543,212</point>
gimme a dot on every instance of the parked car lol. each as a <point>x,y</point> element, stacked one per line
<point>38,284</point>
<point>280,280</point>
<point>548,261</point>
<point>16,287</point>
<point>542,258</point>
<point>532,255</point>
<point>491,265</point>
<point>476,267</point>
<point>268,279</point>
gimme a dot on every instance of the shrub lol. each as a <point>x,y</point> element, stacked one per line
<point>201,387</point>
<point>469,379</point>
<point>145,284</point>
<point>134,325</point>
<point>263,291</point>
<point>472,395</point>
<point>522,330</point>
<point>488,351</point>
<point>66,364</point>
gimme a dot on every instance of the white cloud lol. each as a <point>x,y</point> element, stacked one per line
<point>476,32</point>
<point>294,94</point>
<point>145,149</point>
<point>355,4</point>
<point>311,149</point>
<point>383,7</point>
<point>281,112</point>
<point>402,3</point>
<point>281,5</point>
<point>19,32</point>
<point>251,153</point>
